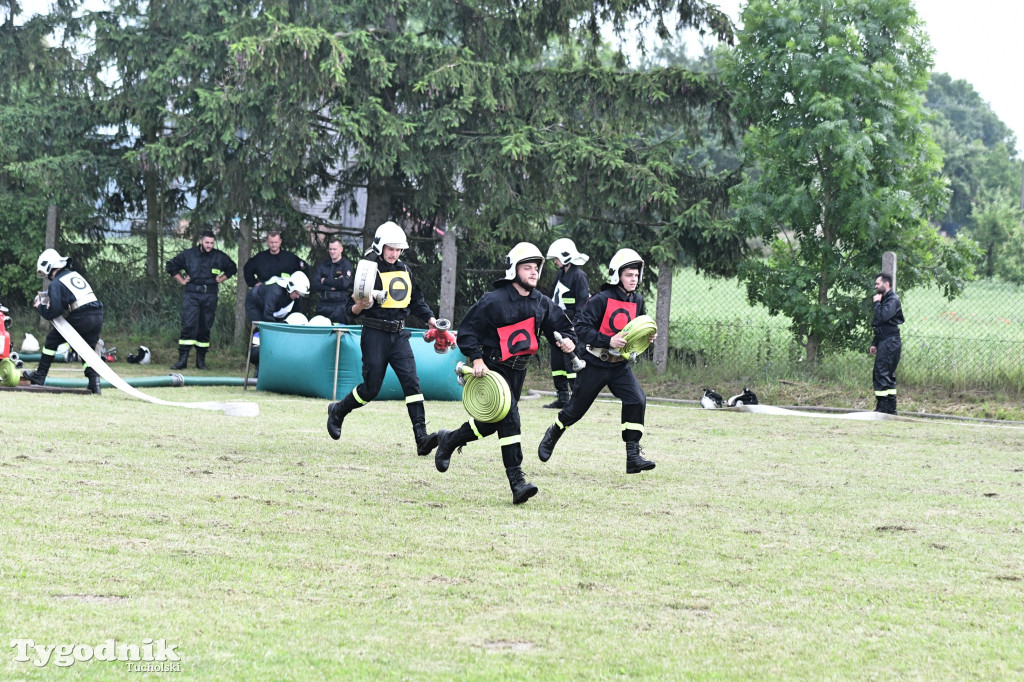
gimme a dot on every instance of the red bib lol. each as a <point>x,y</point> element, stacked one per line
<point>518,339</point>
<point>617,314</point>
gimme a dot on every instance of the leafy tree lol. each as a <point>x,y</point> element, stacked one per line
<point>998,226</point>
<point>847,169</point>
<point>978,149</point>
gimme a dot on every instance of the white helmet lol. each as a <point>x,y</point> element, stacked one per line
<point>141,357</point>
<point>565,250</point>
<point>30,344</point>
<point>320,321</point>
<point>296,282</point>
<point>48,260</point>
<point>621,259</point>
<point>389,234</point>
<point>521,253</point>
<point>296,318</point>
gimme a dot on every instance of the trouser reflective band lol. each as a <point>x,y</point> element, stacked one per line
<point>47,351</point>
<point>559,424</point>
<point>202,344</point>
<point>418,398</point>
<point>476,431</point>
<point>187,342</point>
<point>630,426</point>
<point>510,440</point>
<point>884,393</point>
<point>355,395</point>
<point>559,373</point>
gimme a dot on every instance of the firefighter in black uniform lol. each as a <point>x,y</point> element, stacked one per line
<point>68,294</point>
<point>272,264</point>
<point>499,334</point>
<point>886,345</point>
<point>200,270</point>
<point>274,302</point>
<point>599,327</point>
<point>572,289</point>
<point>385,340</point>
<point>333,279</point>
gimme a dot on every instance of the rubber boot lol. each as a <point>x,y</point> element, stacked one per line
<point>521,490</point>
<point>336,413</point>
<point>635,462</point>
<point>94,384</point>
<point>891,405</point>
<point>182,362</point>
<point>35,377</point>
<point>547,443</point>
<point>425,442</point>
<point>448,441</point>
<point>882,404</point>
<point>561,400</point>
<point>201,358</point>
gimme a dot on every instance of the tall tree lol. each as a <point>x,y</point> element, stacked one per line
<point>832,90</point>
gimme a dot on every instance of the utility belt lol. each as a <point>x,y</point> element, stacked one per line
<point>882,337</point>
<point>79,305</point>
<point>332,296</point>
<point>392,326</point>
<point>200,288</point>
<point>515,362</point>
<point>605,355</point>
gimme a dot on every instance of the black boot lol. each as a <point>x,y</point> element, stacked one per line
<point>200,358</point>
<point>635,462</point>
<point>35,377</point>
<point>561,400</point>
<point>425,442</point>
<point>547,443</point>
<point>521,490</point>
<point>447,441</point>
<point>94,384</point>
<point>182,362</point>
<point>891,405</point>
<point>882,404</point>
<point>336,413</point>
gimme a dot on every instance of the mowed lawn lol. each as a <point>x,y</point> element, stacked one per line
<point>760,547</point>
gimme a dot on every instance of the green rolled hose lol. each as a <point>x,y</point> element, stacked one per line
<point>9,374</point>
<point>488,398</point>
<point>637,334</point>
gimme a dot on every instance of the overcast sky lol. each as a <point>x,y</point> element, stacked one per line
<point>978,41</point>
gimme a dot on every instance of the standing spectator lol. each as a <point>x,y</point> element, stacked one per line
<point>70,295</point>
<point>385,340</point>
<point>499,334</point>
<point>333,279</point>
<point>572,289</point>
<point>885,345</point>
<point>273,264</point>
<point>600,328</point>
<point>200,269</point>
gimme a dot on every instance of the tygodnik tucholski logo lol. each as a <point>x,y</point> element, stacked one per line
<point>151,656</point>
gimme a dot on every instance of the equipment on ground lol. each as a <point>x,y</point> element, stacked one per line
<point>30,344</point>
<point>745,398</point>
<point>711,400</point>
<point>140,357</point>
<point>488,398</point>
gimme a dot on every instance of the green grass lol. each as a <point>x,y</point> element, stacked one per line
<point>760,547</point>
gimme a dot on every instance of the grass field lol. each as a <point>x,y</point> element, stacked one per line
<point>760,547</point>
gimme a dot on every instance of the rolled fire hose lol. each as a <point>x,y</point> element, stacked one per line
<point>88,355</point>
<point>488,398</point>
<point>9,374</point>
<point>637,334</point>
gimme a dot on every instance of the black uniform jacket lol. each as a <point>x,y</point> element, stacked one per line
<point>71,296</point>
<point>270,298</point>
<point>604,316</point>
<point>264,266</point>
<point>888,316</point>
<point>504,323</point>
<point>337,279</point>
<point>201,267</point>
<point>407,299</point>
<point>572,289</point>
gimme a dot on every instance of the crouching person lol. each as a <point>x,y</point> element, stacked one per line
<point>70,295</point>
<point>499,334</point>
<point>599,326</point>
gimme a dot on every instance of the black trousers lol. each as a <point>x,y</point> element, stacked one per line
<point>561,373</point>
<point>887,359</point>
<point>89,326</point>
<point>336,310</point>
<point>197,314</point>
<point>509,429</point>
<point>622,383</point>
<point>381,349</point>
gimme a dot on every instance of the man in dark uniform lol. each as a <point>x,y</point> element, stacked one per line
<point>572,289</point>
<point>200,270</point>
<point>272,264</point>
<point>499,334</point>
<point>885,345</point>
<point>333,279</point>
<point>274,302</point>
<point>599,327</point>
<point>385,340</point>
<point>70,295</point>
